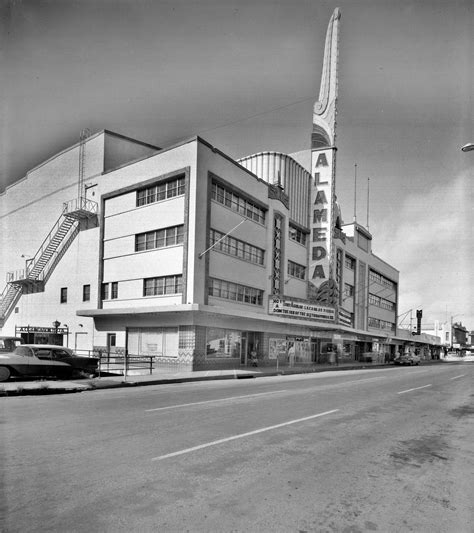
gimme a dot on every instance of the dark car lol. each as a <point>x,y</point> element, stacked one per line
<point>43,360</point>
<point>8,344</point>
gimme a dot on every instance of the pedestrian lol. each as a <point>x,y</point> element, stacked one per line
<point>291,354</point>
<point>253,358</point>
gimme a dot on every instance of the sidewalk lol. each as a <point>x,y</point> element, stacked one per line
<point>161,377</point>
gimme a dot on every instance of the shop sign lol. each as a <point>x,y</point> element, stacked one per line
<point>345,317</point>
<point>301,310</point>
<point>35,329</point>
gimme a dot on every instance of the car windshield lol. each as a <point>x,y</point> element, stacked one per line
<point>23,350</point>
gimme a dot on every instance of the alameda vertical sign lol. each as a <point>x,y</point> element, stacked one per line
<point>322,200</point>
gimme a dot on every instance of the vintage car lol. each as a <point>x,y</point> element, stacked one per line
<point>43,360</point>
<point>407,359</point>
<point>8,344</point>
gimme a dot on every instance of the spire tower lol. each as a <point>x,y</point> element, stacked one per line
<point>322,286</point>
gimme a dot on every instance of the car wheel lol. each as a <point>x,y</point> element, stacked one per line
<point>4,373</point>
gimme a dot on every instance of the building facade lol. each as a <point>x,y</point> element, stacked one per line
<point>194,258</point>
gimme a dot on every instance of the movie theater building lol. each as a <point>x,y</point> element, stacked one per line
<point>190,256</point>
<point>184,254</point>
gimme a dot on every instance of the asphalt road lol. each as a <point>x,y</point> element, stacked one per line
<point>383,450</point>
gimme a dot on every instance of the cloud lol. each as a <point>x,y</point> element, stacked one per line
<point>431,243</point>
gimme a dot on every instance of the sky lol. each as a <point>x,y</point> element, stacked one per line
<point>244,75</point>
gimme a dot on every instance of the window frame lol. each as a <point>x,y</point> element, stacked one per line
<point>86,293</point>
<point>63,295</point>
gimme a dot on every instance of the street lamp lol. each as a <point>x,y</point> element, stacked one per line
<point>469,147</point>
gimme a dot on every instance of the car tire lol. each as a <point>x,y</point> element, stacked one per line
<point>4,373</point>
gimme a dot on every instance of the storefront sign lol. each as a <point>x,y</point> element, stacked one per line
<point>35,329</point>
<point>301,310</point>
<point>345,317</point>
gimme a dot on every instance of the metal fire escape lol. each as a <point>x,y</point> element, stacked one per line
<point>38,268</point>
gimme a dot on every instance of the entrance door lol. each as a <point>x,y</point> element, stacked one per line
<point>111,343</point>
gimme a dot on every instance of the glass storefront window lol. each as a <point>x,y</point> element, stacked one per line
<point>223,343</point>
<point>160,342</point>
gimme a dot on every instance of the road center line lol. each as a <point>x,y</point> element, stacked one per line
<point>416,388</point>
<point>213,401</point>
<point>361,380</point>
<point>457,377</point>
<point>241,436</point>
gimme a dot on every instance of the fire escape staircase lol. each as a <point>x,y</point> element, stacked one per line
<point>38,268</point>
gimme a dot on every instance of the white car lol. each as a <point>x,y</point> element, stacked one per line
<point>407,359</point>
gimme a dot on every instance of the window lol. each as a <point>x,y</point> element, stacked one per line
<point>348,290</point>
<point>159,238</point>
<point>374,300</point>
<point>295,270</point>
<point>381,324</point>
<point>160,342</point>
<point>362,242</point>
<point>297,235</point>
<point>160,192</point>
<point>63,297</point>
<point>163,285</point>
<point>381,280</point>
<point>349,262</point>
<point>223,343</point>
<point>86,293</point>
<point>242,250</point>
<point>114,292</point>
<point>60,354</point>
<point>235,291</point>
<point>104,293</point>
<point>237,203</point>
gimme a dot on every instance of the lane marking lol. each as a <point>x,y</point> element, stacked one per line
<point>213,401</point>
<point>241,436</point>
<point>457,377</point>
<point>416,388</point>
<point>361,380</point>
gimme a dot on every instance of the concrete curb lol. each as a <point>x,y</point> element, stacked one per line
<point>43,388</point>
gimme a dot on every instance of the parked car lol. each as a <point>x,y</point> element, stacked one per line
<point>8,344</point>
<point>43,360</point>
<point>407,359</point>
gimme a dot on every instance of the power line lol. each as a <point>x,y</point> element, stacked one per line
<point>248,117</point>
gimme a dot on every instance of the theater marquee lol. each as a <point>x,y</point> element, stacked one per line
<point>292,309</point>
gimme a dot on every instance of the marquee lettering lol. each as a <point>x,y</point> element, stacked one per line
<point>317,179</point>
<point>318,272</point>
<point>320,198</point>
<point>319,234</point>
<point>318,253</point>
<point>320,215</point>
<point>322,161</point>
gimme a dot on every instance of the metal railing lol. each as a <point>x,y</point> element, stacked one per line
<point>119,363</point>
<point>80,204</point>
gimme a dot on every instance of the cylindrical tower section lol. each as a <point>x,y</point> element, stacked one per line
<point>281,169</point>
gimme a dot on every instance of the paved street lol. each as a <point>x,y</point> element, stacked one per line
<point>369,450</point>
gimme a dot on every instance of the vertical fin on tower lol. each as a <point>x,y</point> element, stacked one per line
<point>324,112</point>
